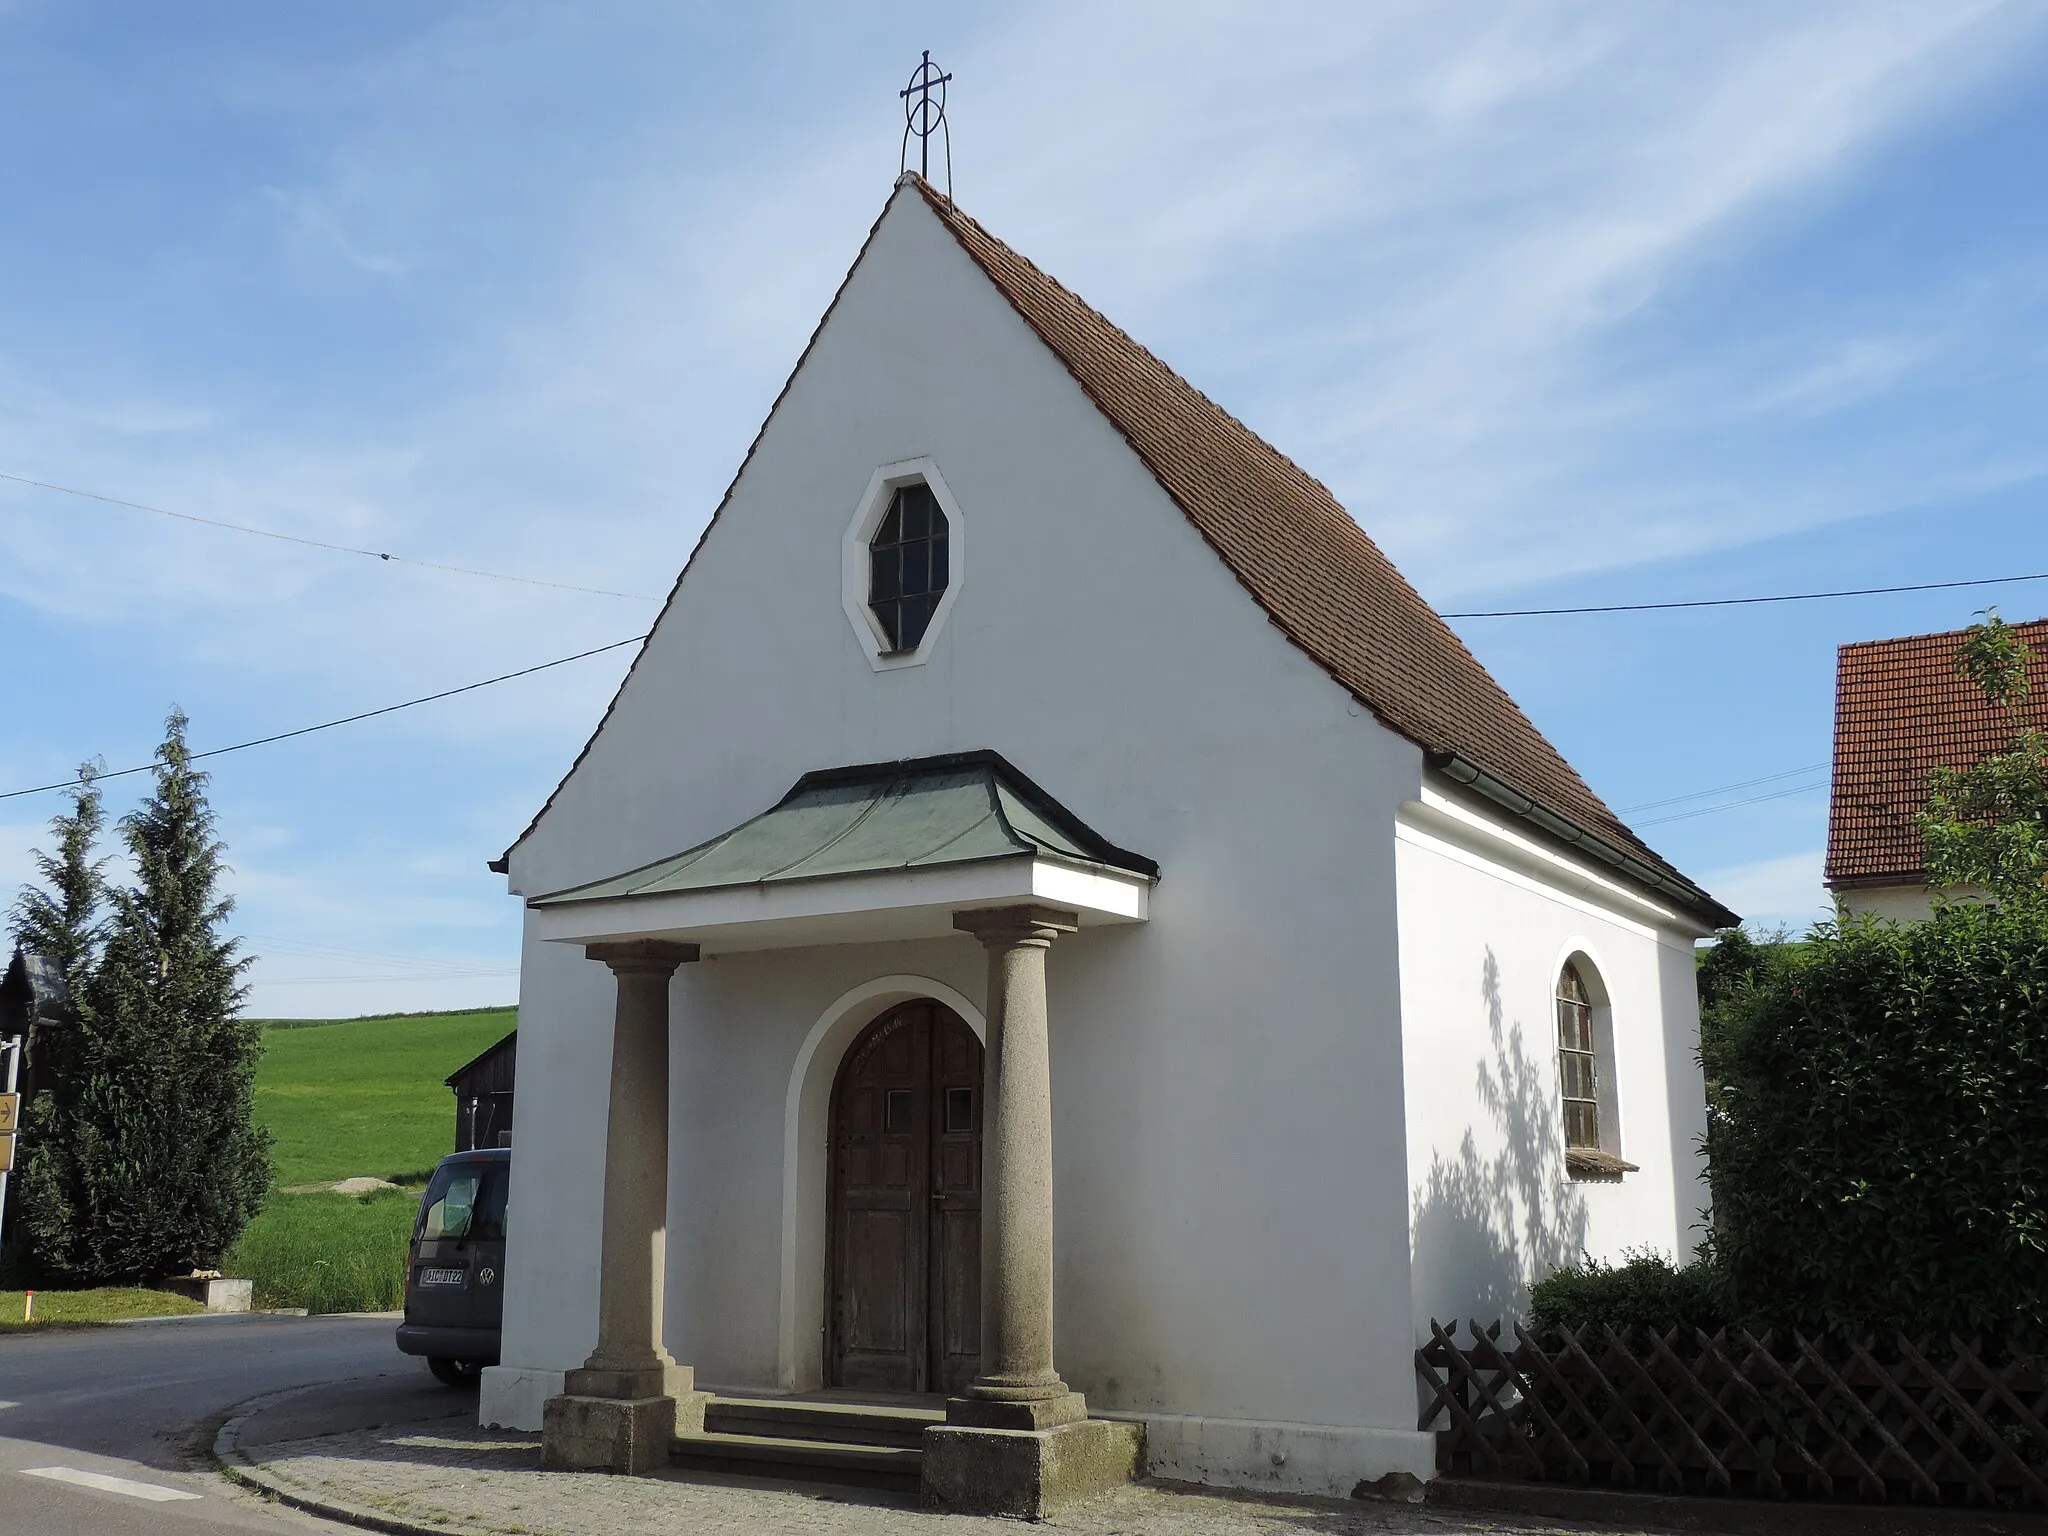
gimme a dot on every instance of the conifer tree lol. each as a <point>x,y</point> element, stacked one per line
<point>160,1165</point>
<point>61,919</point>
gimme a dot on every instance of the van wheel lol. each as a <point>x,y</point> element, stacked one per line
<point>455,1373</point>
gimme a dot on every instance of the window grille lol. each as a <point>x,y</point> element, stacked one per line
<point>1575,1060</point>
<point>907,566</point>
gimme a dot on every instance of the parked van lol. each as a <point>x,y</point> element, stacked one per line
<point>455,1270</point>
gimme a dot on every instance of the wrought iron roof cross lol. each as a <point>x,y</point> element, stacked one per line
<point>924,117</point>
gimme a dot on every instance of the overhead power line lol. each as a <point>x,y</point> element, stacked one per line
<point>1710,810</point>
<point>328,725</point>
<point>328,981</point>
<point>1737,602</point>
<point>340,549</point>
<point>1723,789</point>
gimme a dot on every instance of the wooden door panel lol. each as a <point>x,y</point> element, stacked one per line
<point>876,1290</point>
<point>959,1249</point>
<point>956,1206</point>
<point>904,1304</point>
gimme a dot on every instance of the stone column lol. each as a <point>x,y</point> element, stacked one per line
<point>619,1411</point>
<point>1018,1387</point>
<point>1019,1441</point>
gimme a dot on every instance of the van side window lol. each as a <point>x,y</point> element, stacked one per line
<point>487,1225</point>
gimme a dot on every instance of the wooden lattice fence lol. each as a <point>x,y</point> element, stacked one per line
<point>1780,1416</point>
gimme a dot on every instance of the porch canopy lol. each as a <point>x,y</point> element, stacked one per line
<point>873,852</point>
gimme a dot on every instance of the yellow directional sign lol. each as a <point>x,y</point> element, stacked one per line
<point>10,1111</point>
<point>6,1152</point>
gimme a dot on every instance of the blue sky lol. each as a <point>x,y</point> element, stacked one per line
<point>1568,303</point>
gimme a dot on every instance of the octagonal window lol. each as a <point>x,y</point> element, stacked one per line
<point>907,566</point>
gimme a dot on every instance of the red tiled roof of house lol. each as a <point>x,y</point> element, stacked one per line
<point>1290,543</point>
<point>1902,710</point>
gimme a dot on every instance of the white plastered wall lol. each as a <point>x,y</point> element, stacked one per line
<point>1488,918</point>
<point>1891,903</point>
<point>1228,1133</point>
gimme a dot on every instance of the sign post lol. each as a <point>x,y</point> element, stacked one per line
<point>33,995</point>
<point>10,1119</point>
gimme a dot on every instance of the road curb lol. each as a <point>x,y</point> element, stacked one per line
<point>1722,1515</point>
<point>239,1469</point>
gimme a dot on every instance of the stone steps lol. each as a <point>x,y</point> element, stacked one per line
<point>863,1445</point>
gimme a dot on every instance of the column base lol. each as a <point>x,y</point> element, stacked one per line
<point>1027,1474</point>
<point>1030,1413</point>
<point>632,1383</point>
<point>616,1434</point>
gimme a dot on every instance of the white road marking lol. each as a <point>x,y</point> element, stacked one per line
<point>156,1493</point>
<point>5,1404</point>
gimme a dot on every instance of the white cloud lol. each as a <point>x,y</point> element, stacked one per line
<point>1785,891</point>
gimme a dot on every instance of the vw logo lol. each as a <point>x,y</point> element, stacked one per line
<point>487,1276</point>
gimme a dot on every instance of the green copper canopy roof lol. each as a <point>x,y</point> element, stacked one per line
<point>879,817</point>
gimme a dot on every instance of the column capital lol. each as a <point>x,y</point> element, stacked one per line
<point>658,957</point>
<point>1007,927</point>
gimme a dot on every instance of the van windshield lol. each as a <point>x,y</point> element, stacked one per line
<point>465,1202</point>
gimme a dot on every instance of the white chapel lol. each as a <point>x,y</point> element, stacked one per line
<point>1055,945</point>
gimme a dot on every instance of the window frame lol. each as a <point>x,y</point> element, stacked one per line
<point>935,552</point>
<point>1602,1160</point>
<point>1577,1047</point>
<point>856,561</point>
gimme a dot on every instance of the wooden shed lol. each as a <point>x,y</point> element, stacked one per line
<point>483,1097</point>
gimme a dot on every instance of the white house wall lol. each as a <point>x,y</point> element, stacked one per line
<point>1484,935</point>
<point>1890,903</point>
<point>1228,1119</point>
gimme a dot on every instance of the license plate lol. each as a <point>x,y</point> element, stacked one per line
<point>443,1276</point>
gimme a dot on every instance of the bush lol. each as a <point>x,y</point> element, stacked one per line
<point>1644,1291</point>
<point>1878,1129</point>
<point>328,1253</point>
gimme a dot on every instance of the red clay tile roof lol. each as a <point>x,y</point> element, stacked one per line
<point>1321,580</point>
<point>1901,710</point>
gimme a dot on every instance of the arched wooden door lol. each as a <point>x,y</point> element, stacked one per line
<point>904,1270</point>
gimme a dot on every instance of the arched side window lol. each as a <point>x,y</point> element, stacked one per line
<point>1578,1067</point>
<point>1585,1074</point>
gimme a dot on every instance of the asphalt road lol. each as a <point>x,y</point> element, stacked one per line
<point>139,1403</point>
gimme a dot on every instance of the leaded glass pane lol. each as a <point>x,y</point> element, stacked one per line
<point>896,1112</point>
<point>1578,1079</point>
<point>959,1109</point>
<point>1581,1125</point>
<point>908,566</point>
<point>885,566</point>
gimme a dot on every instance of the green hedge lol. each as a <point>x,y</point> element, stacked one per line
<point>1643,1291</point>
<point>1878,1129</point>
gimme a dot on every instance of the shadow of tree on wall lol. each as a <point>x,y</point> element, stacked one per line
<point>1487,1224</point>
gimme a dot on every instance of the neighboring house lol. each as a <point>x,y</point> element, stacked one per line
<point>1009,655</point>
<point>483,1096</point>
<point>1901,711</point>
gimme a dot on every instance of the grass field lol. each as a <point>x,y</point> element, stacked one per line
<point>354,1097</point>
<point>365,1096</point>
<point>58,1309</point>
<point>327,1253</point>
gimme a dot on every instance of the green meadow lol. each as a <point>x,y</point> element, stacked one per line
<point>366,1097</point>
<point>74,1309</point>
<point>345,1099</point>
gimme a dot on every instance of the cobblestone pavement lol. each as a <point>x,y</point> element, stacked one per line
<point>470,1482</point>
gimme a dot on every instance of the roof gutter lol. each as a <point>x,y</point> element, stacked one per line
<point>1461,770</point>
